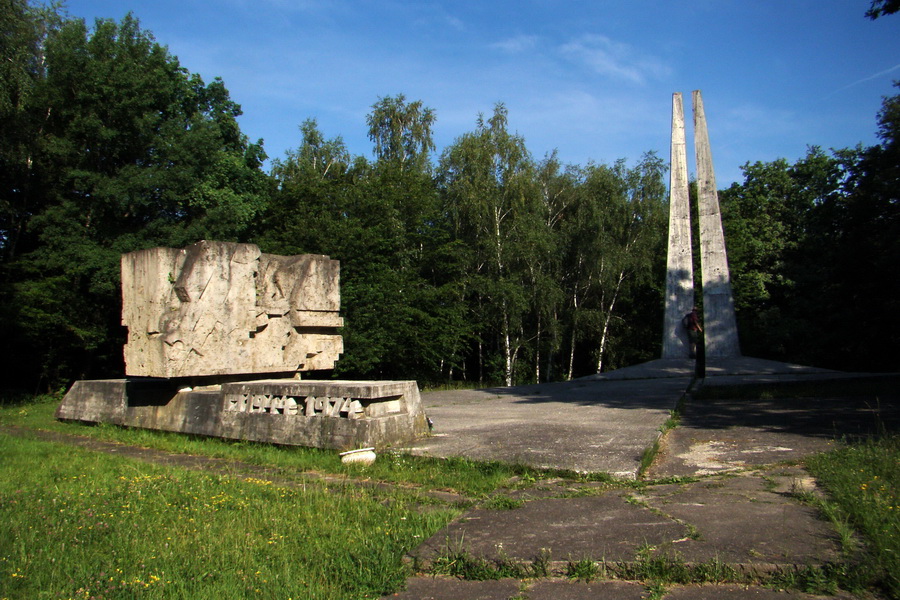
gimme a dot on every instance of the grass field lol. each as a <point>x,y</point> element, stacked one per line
<point>863,483</point>
<point>81,524</point>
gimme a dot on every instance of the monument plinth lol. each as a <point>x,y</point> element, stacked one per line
<point>217,311</point>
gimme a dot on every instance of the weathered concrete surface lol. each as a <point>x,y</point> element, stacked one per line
<point>449,588</point>
<point>442,588</point>
<point>323,414</point>
<point>752,520</point>
<point>720,371</point>
<point>679,261</point>
<point>570,590</point>
<point>726,514</point>
<point>600,423</point>
<point>728,434</point>
<point>742,592</point>
<point>216,308</point>
<point>713,519</point>
<point>604,527</point>
<point>439,588</point>
<point>586,425</point>
<point>719,322</point>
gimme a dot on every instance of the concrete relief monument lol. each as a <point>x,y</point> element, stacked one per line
<point>204,322</point>
<point>217,308</point>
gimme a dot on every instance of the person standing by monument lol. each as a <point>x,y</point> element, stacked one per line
<point>691,322</point>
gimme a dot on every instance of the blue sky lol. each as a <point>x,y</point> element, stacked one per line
<point>593,79</point>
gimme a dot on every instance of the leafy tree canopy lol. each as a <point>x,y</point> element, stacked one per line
<point>112,147</point>
<point>880,8</point>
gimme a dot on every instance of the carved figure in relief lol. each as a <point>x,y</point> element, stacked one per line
<point>218,308</point>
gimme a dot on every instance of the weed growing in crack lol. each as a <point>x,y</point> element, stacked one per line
<point>671,569</point>
<point>655,590</point>
<point>462,564</point>
<point>540,566</point>
<point>809,579</point>
<point>692,532</point>
<point>584,570</point>
<point>502,503</point>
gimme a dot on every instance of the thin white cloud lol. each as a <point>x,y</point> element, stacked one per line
<point>516,45</point>
<point>613,59</point>
<point>454,23</point>
<point>865,79</point>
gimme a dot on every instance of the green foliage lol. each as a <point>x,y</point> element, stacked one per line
<point>116,148</point>
<point>614,247</point>
<point>488,180</point>
<point>463,476</point>
<point>809,246</point>
<point>864,481</point>
<point>502,502</point>
<point>584,570</point>
<point>652,451</point>
<point>460,563</point>
<point>880,8</point>
<point>659,568</point>
<point>401,132</point>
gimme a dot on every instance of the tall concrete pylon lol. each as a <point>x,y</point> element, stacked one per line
<point>680,271</point>
<point>719,322</point>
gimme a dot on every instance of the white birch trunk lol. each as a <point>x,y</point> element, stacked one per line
<point>604,336</point>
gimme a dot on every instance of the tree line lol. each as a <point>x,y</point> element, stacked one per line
<point>478,262</point>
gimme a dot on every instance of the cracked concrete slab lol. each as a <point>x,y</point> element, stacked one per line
<point>443,588</point>
<point>574,590</point>
<point>743,521</point>
<point>743,510</point>
<point>741,592</point>
<point>599,528</point>
<point>721,434</point>
<point>752,521</point>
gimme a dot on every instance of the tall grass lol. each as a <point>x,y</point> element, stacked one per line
<point>863,479</point>
<point>78,524</point>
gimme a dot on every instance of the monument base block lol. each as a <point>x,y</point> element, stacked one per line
<point>340,415</point>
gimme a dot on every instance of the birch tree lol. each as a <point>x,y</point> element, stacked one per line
<point>613,239</point>
<point>488,179</point>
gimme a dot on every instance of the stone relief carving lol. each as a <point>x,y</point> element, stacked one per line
<point>218,308</point>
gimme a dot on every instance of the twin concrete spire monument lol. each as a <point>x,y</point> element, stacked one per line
<point>719,323</point>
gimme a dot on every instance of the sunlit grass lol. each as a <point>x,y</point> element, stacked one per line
<point>471,478</point>
<point>863,479</point>
<point>79,524</point>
